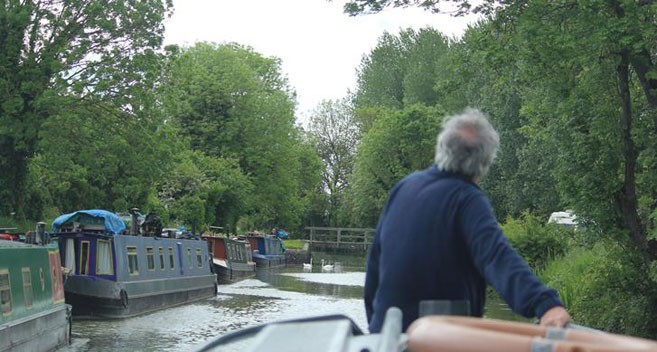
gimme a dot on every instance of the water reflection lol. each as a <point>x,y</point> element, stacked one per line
<point>339,285</point>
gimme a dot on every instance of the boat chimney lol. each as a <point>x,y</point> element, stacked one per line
<point>41,233</point>
<point>134,222</point>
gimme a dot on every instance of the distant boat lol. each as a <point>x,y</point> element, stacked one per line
<point>231,258</point>
<point>34,316</point>
<point>564,219</point>
<point>114,275</point>
<point>267,251</point>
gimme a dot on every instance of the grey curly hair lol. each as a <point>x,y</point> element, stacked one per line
<point>467,144</point>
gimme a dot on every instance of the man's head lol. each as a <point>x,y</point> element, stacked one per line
<point>467,144</point>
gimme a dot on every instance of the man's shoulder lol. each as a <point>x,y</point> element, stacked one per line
<point>429,182</point>
<point>434,175</point>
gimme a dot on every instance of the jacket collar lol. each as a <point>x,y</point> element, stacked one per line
<point>439,173</point>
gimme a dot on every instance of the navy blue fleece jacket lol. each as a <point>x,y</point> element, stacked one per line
<point>438,239</point>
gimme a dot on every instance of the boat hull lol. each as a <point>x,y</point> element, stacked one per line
<point>107,299</point>
<point>44,331</point>
<point>269,261</point>
<point>234,272</point>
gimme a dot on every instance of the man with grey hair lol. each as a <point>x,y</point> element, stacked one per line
<point>438,239</point>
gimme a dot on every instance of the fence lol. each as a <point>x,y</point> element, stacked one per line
<point>340,237</point>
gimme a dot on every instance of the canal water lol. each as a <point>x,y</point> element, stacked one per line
<point>272,295</point>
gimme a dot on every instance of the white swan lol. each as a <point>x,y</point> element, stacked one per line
<point>308,266</point>
<point>327,267</point>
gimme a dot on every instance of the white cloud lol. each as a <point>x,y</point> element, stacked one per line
<point>319,45</point>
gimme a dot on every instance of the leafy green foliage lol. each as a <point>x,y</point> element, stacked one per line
<point>233,103</point>
<point>401,70</point>
<point>335,134</point>
<point>108,162</point>
<point>356,7</point>
<point>93,115</point>
<point>600,290</point>
<point>57,54</point>
<point>537,242</point>
<point>398,143</point>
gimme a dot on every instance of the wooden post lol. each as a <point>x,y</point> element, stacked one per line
<point>339,231</point>
<point>310,244</point>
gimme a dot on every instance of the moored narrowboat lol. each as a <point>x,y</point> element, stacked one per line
<point>114,275</point>
<point>34,316</point>
<point>267,251</point>
<point>231,258</point>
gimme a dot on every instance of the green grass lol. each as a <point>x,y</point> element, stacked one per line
<point>293,244</point>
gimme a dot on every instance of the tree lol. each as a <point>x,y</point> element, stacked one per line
<point>335,135</point>
<point>105,162</point>
<point>454,7</point>
<point>401,70</point>
<point>398,143</point>
<point>309,176</point>
<point>356,7</point>
<point>481,70</point>
<point>209,190</point>
<point>54,50</point>
<point>594,77</point>
<point>233,103</point>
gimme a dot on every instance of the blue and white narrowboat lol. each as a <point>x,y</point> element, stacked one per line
<point>115,275</point>
<point>267,251</point>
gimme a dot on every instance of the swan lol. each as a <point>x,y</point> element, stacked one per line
<point>308,266</point>
<point>327,267</point>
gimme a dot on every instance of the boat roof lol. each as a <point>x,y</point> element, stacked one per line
<point>17,244</point>
<point>112,222</point>
<point>563,217</point>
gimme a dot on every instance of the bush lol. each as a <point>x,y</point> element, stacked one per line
<point>536,241</point>
<point>604,287</point>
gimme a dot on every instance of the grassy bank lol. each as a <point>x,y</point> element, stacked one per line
<point>293,244</point>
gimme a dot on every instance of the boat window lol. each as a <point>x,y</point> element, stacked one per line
<point>133,265</point>
<point>42,279</point>
<point>229,250</point>
<point>189,257</point>
<point>27,287</point>
<point>104,258</point>
<point>150,257</point>
<point>199,258</point>
<point>5,292</point>
<point>84,258</point>
<point>70,254</point>
<point>161,251</point>
<point>172,264</point>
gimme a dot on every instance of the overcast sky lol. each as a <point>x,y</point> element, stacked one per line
<point>320,46</point>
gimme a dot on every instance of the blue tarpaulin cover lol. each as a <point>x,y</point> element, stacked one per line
<point>112,222</point>
<point>281,234</point>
